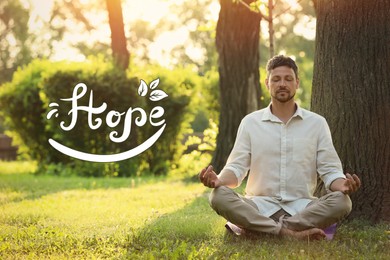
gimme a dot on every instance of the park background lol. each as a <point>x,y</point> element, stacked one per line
<point>210,58</point>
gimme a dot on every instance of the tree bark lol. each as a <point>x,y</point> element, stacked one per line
<point>238,48</point>
<point>271,28</point>
<point>351,88</point>
<point>118,39</point>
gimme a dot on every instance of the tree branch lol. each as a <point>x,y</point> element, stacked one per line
<point>258,12</point>
<point>77,13</point>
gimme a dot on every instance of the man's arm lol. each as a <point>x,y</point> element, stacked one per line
<point>348,186</point>
<point>237,164</point>
<point>329,165</point>
<point>210,179</point>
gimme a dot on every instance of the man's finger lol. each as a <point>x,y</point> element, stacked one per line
<point>355,184</point>
<point>347,186</point>
<point>208,171</point>
<point>357,180</point>
<point>209,181</point>
<point>210,176</point>
<point>201,174</point>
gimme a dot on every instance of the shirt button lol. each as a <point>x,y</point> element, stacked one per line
<point>279,198</point>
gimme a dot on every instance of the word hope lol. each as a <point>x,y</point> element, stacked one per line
<point>112,119</point>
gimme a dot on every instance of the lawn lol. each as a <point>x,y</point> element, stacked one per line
<point>49,217</point>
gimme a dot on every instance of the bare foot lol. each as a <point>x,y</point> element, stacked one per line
<point>311,234</point>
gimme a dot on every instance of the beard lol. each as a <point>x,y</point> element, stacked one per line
<point>283,96</point>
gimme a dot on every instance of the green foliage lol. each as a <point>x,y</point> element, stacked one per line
<point>108,85</point>
<point>265,96</point>
<point>23,109</point>
<point>210,100</point>
<point>305,81</point>
<point>16,167</point>
<point>182,86</point>
<point>14,25</point>
<point>146,218</point>
<point>208,103</point>
<point>25,104</point>
<point>190,164</point>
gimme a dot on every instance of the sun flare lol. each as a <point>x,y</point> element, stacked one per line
<point>150,11</point>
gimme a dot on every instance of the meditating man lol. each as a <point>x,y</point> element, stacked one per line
<point>283,147</point>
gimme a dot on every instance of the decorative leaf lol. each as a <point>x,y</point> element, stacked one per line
<point>157,95</point>
<point>51,113</point>
<point>142,89</point>
<point>154,83</point>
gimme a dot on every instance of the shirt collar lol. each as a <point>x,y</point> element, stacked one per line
<point>268,116</point>
<point>299,112</point>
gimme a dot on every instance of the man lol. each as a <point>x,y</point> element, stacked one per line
<point>284,147</point>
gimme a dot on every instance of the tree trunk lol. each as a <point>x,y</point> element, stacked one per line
<point>271,28</point>
<point>118,39</point>
<point>238,48</point>
<point>351,88</point>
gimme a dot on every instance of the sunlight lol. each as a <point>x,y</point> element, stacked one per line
<point>214,9</point>
<point>165,42</point>
<point>306,27</point>
<point>294,4</point>
<point>148,10</point>
<point>39,12</point>
<point>151,11</point>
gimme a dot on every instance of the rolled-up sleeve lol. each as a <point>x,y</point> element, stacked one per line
<point>329,165</point>
<point>240,156</point>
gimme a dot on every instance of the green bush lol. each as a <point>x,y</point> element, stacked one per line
<point>23,109</point>
<point>181,85</point>
<point>190,164</point>
<point>25,104</point>
<point>109,86</point>
<point>25,101</point>
<point>208,105</point>
<point>210,99</point>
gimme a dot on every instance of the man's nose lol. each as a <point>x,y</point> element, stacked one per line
<point>283,83</point>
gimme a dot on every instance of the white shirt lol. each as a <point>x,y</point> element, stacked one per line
<point>283,159</point>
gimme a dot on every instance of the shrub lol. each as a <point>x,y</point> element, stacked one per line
<point>109,86</point>
<point>25,104</point>
<point>22,108</point>
<point>190,164</point>
<point>210,98</point>
<point>180,85</point>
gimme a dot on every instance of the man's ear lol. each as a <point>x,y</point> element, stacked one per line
<point>297,83</point>
<point>266,83</point>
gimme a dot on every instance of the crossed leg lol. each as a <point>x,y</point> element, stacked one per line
<point>244,213</point>
<point>321,213</point>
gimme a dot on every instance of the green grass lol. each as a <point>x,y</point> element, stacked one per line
<point>48,217</point>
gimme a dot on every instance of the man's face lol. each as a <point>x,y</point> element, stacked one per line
<point>282,84</point>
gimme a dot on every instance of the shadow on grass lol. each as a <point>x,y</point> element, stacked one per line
<point>175,234</point>
<point>18,187</point>
<point>196,231</point>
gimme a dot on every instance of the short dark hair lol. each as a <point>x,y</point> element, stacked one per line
<point>281,60</point>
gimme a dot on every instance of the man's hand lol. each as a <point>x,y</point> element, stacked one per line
<point>348,186</point>
<point>209,178</point>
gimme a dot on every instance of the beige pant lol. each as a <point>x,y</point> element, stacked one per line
<point>244,213</point>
